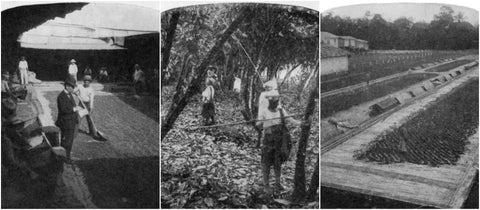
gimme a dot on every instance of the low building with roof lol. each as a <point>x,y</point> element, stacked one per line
<point>329,38</point>
<point>361,44</point>
<point>346,41</point>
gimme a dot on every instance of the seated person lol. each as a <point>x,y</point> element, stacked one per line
<point>5,83</point>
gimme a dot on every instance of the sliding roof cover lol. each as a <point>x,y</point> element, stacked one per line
<point>97,26</point>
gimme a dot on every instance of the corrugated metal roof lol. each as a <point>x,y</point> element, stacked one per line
<point>71,46</point>
<point>325,34</point>
<point>70,43</point>
<point>361,40</point>
<point>347,37</point>
<point>330,51</point>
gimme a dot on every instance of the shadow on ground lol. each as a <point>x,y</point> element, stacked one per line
<point>122,183</point>
<point>20,191</point>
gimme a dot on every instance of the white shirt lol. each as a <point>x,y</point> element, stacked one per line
<point>86,94</point>
<point>104,72</point>
<point>267,114</point>
<point>208,94</point>
<point>237,84</point>
<point>263,101</point>
<point>23,65</point>
<point>138,75</point>
<point>72,69</point>
<point>5,87</point>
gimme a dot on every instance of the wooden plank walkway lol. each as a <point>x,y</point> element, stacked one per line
<point>446,186</point>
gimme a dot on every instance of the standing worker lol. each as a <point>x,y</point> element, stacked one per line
<point>208,96</point>
<point>73,70</point>
<point>67,119</point>
<point>86,94</point>
<point>263,102</point>
<point>138,80</point>
<point>276,142</point>
<point>23,68</point>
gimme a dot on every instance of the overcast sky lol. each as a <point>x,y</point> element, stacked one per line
<point>390,12</point>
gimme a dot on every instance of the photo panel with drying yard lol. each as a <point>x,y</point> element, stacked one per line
<point>399,106</point>
<point>51,156</point>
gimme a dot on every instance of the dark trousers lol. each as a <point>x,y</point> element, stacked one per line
<point>68,135</point>
<point>102,78</point>
<point>138,87</point>
<point>91,127</point>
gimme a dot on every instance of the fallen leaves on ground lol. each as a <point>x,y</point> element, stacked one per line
<point>220,168</point>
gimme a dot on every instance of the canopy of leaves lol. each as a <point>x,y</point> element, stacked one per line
<point>447,31</point>
<point>274,36</point>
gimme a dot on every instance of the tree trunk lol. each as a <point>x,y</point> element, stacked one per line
<point>179,103</point>
<point>312,190</point>
<point>169,41</point>
<point>304,84</point>
<point>299,178</point>
<point>288,74</point>
<point>250,95</point>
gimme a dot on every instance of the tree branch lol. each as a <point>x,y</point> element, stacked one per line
<point>194,88</point>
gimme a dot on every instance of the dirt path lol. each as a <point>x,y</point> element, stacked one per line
<point>120,173</point>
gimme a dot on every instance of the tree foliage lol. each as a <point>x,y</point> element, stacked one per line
<point>447,31</point>
<point>273,37</point>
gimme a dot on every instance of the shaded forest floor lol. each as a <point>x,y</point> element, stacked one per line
<point>220,168</point>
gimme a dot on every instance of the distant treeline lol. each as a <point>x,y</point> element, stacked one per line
<point>447,31</point>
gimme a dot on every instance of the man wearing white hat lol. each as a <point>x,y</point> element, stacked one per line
<point>72,69</point>
<point>208,98</point>
<point>277,143</point>
<point>87,94</point>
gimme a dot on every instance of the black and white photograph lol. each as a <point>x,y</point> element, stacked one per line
<point>80,105</point>
<point>399,106</point>
<point>240,106</point>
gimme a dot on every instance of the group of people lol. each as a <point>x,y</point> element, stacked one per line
<point>73,71</point>
<point>74,103</point>
<point>70,112</point>
<point>272,119</point>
